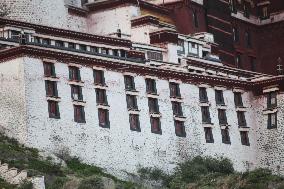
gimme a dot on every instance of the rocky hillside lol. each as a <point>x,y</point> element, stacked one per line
<point>65,172</point>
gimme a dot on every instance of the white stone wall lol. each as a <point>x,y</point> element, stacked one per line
<point>52,13</point>
<point>270,141</point>
<point>119,149</point>
<point>140,34</point>
<point>106,22</point>
<point>12,99</point>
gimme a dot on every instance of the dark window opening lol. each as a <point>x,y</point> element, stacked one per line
<point>101,97</point>
<point>225,136</point>
<point>79,114</point>
<point>219,97</point>
<point>264,13</point>
<point>239,60</point>
<point>49,70</point>
<point>99,78</point>
<point>153,105</point>
<point>59,43</point>
<point>151,86</point>
<point>103,118</point>
<point>76,93</point>
<point>71,46</point>
<point>131,102</point>
<point>134,122</point>
<point>180,129</point>
<point>104,51</point>
<point>203,95</point>
<point>53,109</point>
<point>51,88</point>
<point>156,125</point>
<point>271,100</point>
<point>208,135</point>
<point>45,41</point>
<point>241,119</point>
<point>94,49</point>
<point>272,121</point>
<point>246,10</point>
<point>222,117</point>
<point>74,73</point>
<point>151,55</point>
<point>177,109</point>
<point>174,90</point>
<point>82,47</point>
<point>248,39</point>
<point>129,83</point>
<point>195,18</point>
<point>253,64</point>
<point>205,114</point>
<point>235,35</point>
<point>244,138</point>
<point>238,99</point>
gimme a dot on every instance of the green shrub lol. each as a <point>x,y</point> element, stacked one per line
<point>261,176</point>
<point>26,185</point>
<point>91,183</point>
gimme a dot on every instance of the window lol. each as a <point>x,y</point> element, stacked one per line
<point>264,13</point>
<point>155,125</point>
<point>53,109</point>
<point>49,70</point>
<point>241,119</point>
<point>203,95</point>
<point>151,55</point>
<point>99,78</point>
<point>45,41</point>
<point>151,86</point>
<point>129,83</point>
<point>76,93</point>
<point>195,18</point>
<point>271,100</point>
<point>134,122</point>
<point>247,39</point>
<point>103,118</point>
<point>244,138</point>
<point>222,117</point>
<point>74,73</point>
<point>208,135</point>
<point>59,43</point>
<point>94,49</point>
<point>101,97</point>
<point>115,52</point>
<point>51,88</point>
<point>238,99</point>
<point>15,35</point>
<point>235,34</point>
<point>239,60</point>
<point>225,136</point>
<point>79,114</point>
<point>104,51</point>
<point>36,39</point>
<point>177,109</point>
<point>246,10</point>
<point>233,4</point>
<point>272,121</point>
<point>253,64</point>
<point>123,53</point>
<point>219,97</point>
<point>180,45</point>
<point>153,105</point>
<point>174,90</point>
<point>180,129</point>
<point>131,102</point>
<point>71,46</point>
<point>205,114</point>
<point>82,47</point>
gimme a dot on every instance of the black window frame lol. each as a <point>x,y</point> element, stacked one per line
<point>270,96</point>
<point>219,97</point>
<point>195,19</point>
<point>77,74</point>
<point>77,88</point>
<point>238,99</point>
<point>269,121</point>
<point>208,133</point>
<point>226,139</point>
<point>132,128</point>
<point>151,86</point>
<point>54,90</point>
<point>153,104</point>
<point>236,37</point>
<point>131,101</point>
<point>241,119</point>
<point>106,113</point>
<point>99,94</point>
<point>248,39</point>
<point>49,67</point>
<point>59,43</point>
<point>57,112</point>
<point>222,117</point>
<point>244,138</point>
<point>129,83</point>
<point>81,118</point>
<point>180,132</point>
<point>203,98</point>
<point>99,77</point>
<point>159,131</point>
<point>177,109</point>
<point>174,90</point>
<point>205,112</point>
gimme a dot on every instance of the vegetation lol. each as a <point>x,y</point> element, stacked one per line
<point>196,173</point>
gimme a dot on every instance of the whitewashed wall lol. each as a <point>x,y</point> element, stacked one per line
<point>12,99</point>
<point>119,149</point>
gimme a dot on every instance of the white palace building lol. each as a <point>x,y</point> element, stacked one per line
<point>114,82</point>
